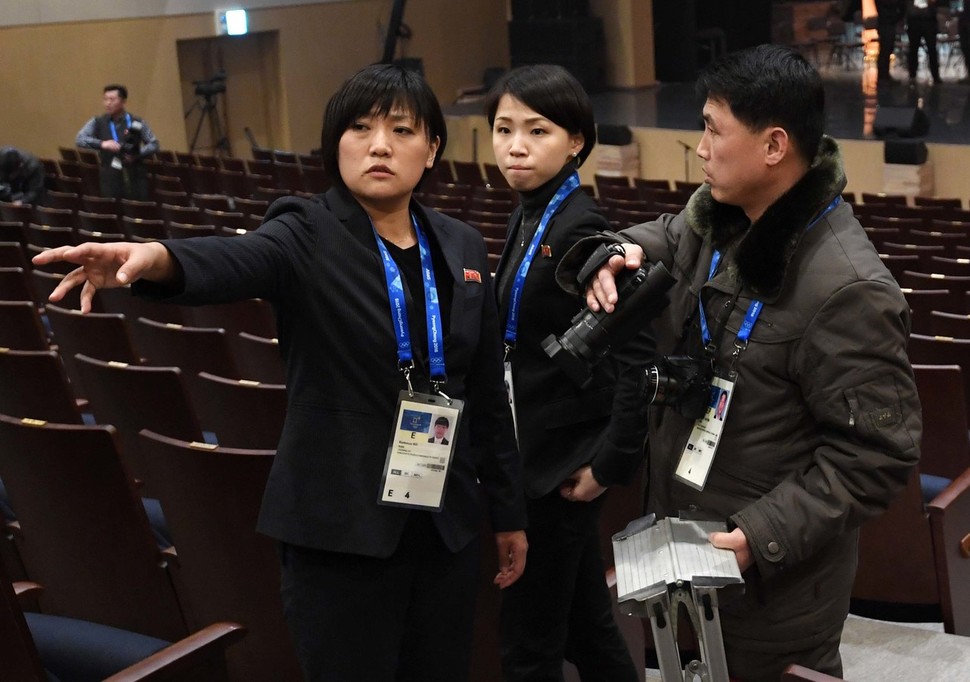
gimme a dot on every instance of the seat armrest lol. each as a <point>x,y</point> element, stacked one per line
<point>201,651</point>
<point>27,594</point>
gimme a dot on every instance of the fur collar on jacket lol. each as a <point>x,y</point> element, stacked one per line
<point>765,247</point>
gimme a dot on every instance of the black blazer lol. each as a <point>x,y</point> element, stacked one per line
<point>317,262</point>
<point>562,427</point>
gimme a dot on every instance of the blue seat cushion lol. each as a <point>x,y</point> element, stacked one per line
<point>931,486</point>
<point>5,509</point>
<point>80,651</point>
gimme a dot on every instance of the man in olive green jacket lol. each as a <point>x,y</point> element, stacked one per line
<point>823,424</point>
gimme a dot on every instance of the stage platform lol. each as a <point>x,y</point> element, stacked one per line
<point>665,119</point>
<point>851,99</point>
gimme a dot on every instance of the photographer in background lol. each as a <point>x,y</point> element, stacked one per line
<point>21,177</point>
<point>123,141</point>
<point>782,301</point>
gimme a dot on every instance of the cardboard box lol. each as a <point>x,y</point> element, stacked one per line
<point>617,160</point>
<point>911,180</point>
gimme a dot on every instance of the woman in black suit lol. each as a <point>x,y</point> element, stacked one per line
<point>385,321</point>
<point>574,442</point>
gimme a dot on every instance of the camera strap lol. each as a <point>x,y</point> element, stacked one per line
<point>569,185</point>
<point>399,311</point>
<point>114,130</point>
<point>754,308</point>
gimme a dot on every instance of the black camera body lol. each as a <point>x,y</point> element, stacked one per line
<point>212,86</point>
<point>131,144</point>
<point>591,335</point>
<point>681,382</point>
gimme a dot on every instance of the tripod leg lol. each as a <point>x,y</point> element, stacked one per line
<point>222,142</point>
<point>219,140</point>
<point>198,129</point>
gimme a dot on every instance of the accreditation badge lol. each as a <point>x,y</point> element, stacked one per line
<point>698,455</point>
<point>116,163</point>
<point>510,390</point>
<point>420,451</point>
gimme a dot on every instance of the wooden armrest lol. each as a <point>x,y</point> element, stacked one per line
<point>28,594</point>
<point>205,647</point>
<point>950,527</point>
<point>795,673</point>
<point>12,529</point>
<point>952,492</point>
<point>27,588</point>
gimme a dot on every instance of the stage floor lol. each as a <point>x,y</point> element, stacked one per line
<point>851,101</point>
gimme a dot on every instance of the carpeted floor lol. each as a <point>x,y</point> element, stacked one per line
<point>886,652</point>
<point>880,651</point>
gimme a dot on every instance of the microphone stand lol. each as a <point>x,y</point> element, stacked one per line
<point>687,150</point>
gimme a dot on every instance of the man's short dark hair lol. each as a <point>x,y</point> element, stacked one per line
<point>122,90</point>
<point>379,88</point>
<point>770,85</point>
<point>553,92</point>
<point>442,421</point>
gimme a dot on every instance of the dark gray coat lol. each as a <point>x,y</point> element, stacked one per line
<point>825,424</point>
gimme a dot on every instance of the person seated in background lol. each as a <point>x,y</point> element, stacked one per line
<point>21,177</point>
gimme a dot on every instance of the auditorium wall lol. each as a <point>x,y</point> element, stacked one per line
<point>53,73</point>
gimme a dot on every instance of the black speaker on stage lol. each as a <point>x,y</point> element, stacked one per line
<point>900,122</point>
<point>613,134</point>
<point>908,152</point>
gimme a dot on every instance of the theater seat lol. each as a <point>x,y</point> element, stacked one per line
<point>36,647</point>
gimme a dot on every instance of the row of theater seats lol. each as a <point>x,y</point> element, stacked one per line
<point>940,583</point>
<point>77,172</point>
<point>220,569</point>
<point>100,410</point>
<point>926,247</point>
<point>925,243</point>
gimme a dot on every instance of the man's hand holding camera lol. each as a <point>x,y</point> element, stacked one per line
<point>601,292</point>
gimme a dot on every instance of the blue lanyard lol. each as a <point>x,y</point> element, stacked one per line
<point>114,131</point>
<point>399,311</point>
<point>754,309</point>
<point>515,297</point>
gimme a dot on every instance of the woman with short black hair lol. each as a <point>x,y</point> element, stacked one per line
<point>386,323</point>
<point>574,441</point>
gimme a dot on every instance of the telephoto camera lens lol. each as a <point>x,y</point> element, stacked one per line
<point>591,335</point>
<point>659,388</point>
<point>681,382</point>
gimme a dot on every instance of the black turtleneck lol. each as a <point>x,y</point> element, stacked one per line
<point>533,204</point>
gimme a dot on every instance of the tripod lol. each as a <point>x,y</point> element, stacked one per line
<point>206,104</point>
